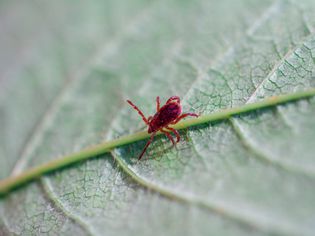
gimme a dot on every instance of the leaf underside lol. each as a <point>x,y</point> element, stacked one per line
<point>66,71</point>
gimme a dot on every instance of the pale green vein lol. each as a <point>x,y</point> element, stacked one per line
<point>240,133</point>
<point>47,188</point>
<point>4,229</point>
<point>10,183</point>
<point>212,206</point>
<point>264,157</point>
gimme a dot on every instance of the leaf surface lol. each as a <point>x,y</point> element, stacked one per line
<point>67,70</point>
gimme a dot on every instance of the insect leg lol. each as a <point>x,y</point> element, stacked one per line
<point>182,116</point>
<point>175,132</point>
<point>138,110</point>
<point>168,135</point>
<point>157,103</point>
<point>146,146</point>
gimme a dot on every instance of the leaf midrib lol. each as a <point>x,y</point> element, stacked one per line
<point>237,126</point>
<point>168,193</point>
<point>161,190</point>
<point>172,195</point>
<point>38,129</point>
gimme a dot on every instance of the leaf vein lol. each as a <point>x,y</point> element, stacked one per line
<point>199,202</point>
<point>49,193</point>
<point>238,127</point>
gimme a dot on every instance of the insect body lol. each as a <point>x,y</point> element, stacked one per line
<point>168,114</point>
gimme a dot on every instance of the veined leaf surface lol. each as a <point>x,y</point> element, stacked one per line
<point>67,69</point>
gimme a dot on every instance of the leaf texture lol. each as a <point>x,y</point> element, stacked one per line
<point>66,71</point>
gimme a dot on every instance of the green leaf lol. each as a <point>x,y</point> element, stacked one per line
<point>66,71</point>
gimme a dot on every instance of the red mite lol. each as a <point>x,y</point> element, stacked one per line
<point>166,115</point>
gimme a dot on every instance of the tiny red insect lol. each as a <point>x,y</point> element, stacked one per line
<point>168,114</point>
